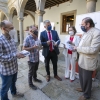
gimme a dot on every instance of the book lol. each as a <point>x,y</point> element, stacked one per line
<point>54,43</point>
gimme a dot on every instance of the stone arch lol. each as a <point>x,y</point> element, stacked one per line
<point>23,3</point>
<point>3,13</point>
<point>29,13</point>
<point>11,10</point>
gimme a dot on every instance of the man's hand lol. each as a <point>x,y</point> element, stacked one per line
<point>48,42</point>
<point>55,45</point>
<point>70,42</point>
<point>35,47</point>
<point>73,44</point>
<point>75,48</point>
<point>19,55</point>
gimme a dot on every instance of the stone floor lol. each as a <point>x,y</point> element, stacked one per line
<point>53,90</point>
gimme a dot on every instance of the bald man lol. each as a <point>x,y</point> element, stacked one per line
<point>8,61</point>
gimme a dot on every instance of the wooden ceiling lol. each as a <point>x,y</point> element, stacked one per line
<point>30,5</point>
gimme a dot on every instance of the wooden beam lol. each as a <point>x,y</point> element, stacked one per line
<point>55,1</point>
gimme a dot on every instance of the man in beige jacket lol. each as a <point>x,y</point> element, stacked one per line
<point>88,50</point>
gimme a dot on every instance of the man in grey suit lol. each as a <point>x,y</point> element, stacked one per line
<point>88,50</point>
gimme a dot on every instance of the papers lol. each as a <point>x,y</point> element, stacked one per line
<point>25,53</point>
<point>54,43</point>
<point>68,45</point>
<point>41,57</point>
<point>38,44</point>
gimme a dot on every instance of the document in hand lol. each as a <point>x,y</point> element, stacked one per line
<point>55,42</point>
<point>38,44</point>
<point>69,46</point>
<point>25,53</point>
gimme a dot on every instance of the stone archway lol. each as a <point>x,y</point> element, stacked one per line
<point>11,12</point>
<point>31,14</point>
<point>3,14</point>
<point>23,4</point>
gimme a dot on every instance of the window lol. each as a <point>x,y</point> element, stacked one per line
<point>67,20</point>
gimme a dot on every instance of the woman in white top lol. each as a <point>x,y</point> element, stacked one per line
<point>70,55</point>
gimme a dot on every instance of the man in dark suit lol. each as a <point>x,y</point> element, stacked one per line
<point>50,49</point>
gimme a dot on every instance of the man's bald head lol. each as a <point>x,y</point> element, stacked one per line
<point>6,26</point>
<point>5,23</point>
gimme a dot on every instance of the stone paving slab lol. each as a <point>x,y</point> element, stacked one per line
<point>53,90</point>
<point>36,95</point>
<point>40,85</point>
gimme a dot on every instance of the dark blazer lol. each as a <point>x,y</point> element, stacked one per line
<point>44,39</point>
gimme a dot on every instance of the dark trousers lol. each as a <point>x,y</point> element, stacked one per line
<point>8,82</point>
<point>86,82</point>
<point>53,57</point>
<point>33,67</point>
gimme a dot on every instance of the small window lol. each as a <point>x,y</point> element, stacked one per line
<point>67,19</point>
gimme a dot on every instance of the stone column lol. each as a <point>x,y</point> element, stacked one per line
<point>91,5</point>
<point>0,17</point>
<point>21,31</point>
<point>40,17</point>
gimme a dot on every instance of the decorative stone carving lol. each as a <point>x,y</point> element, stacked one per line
<point>40,13</point>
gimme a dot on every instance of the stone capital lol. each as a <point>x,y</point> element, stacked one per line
<point>91,0</point>
<point>20,19</point>
<point>39,12</point>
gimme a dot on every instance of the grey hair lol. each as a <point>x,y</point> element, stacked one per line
<point>89,20</point>
<point>46,21</point>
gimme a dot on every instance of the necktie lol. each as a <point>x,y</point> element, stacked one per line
<point>51,42</point>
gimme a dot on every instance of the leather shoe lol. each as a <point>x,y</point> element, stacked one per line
<point>58,78</point>
<point>48,78</point>
<point>71,80</point>
<point>33,87</point>
<point>18,95</point>
<point>37,80</point>
<point>82,98</point>
<point>79,89</point>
